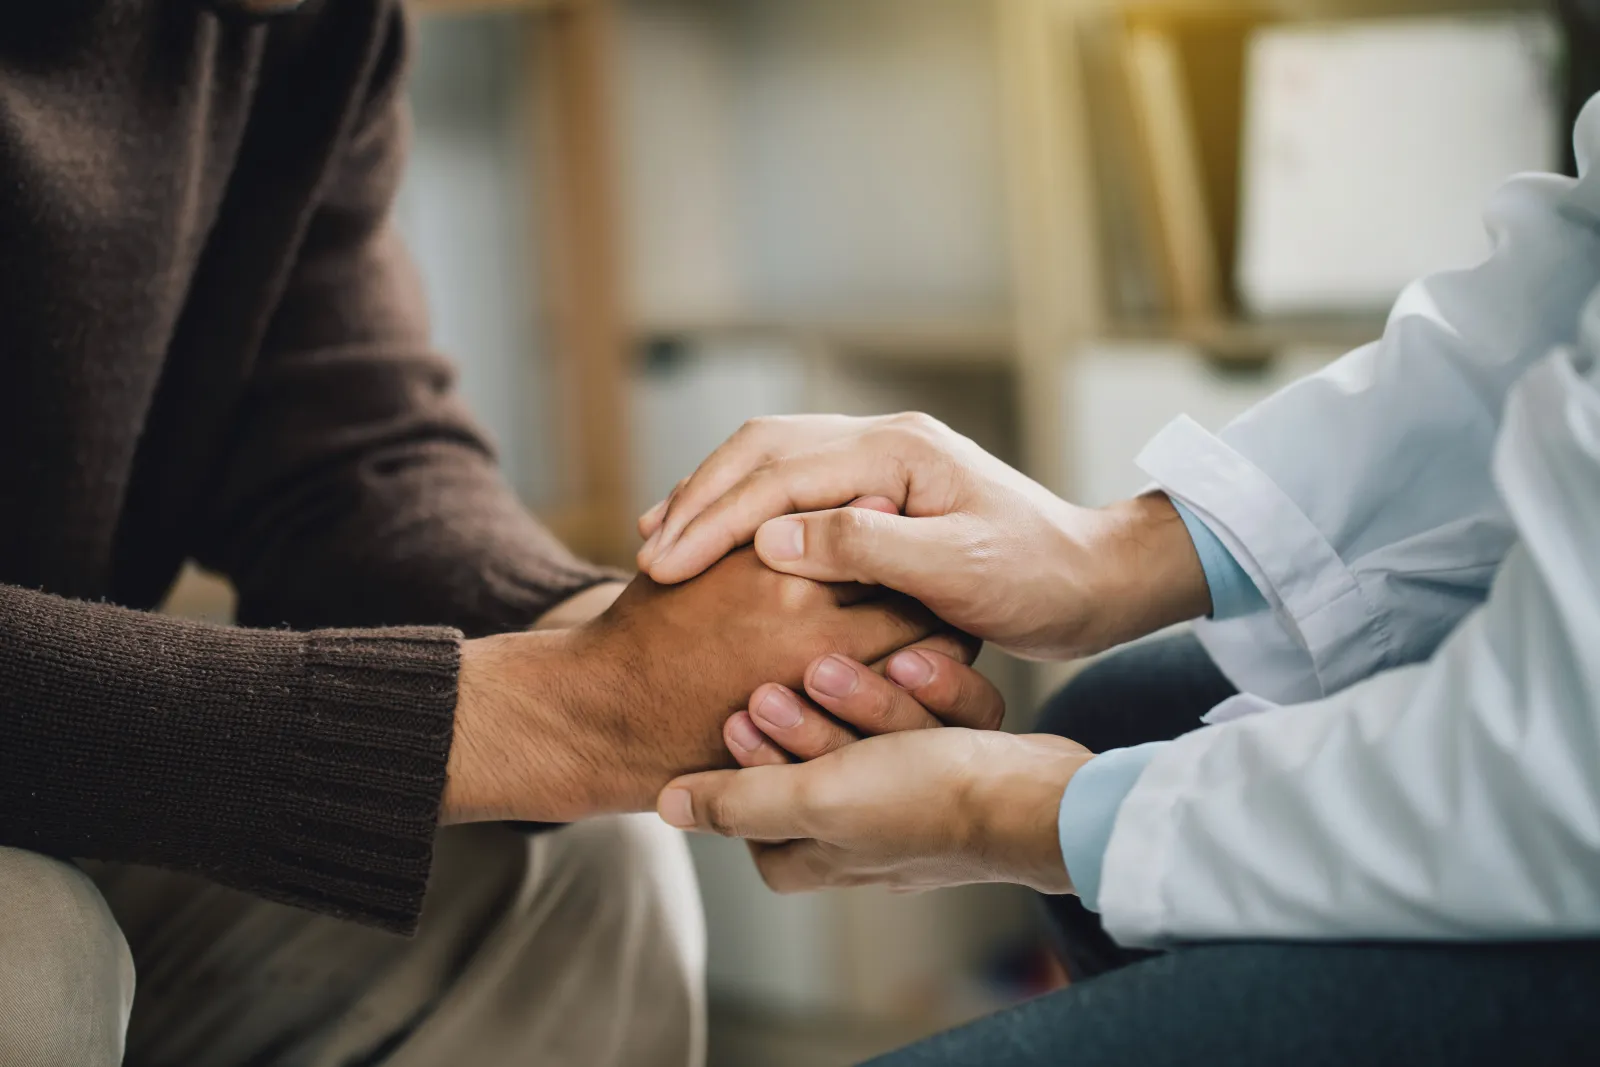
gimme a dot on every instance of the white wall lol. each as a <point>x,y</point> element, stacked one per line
<point>1118,394</point>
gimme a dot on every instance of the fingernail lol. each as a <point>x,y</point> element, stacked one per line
<point>779,709</point>
<point>782,540</point>
<point>676,808</point>
<point>742,733</point>
<point>910,670</point>
<point>833,677</point>
<point>655,512</point>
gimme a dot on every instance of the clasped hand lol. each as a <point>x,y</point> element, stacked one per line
<point>989,551</point>
<point>766,659</point>
<point>596,718</point>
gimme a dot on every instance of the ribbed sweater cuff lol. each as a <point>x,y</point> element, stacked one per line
<point>376,711</point>
<point>303,767</point>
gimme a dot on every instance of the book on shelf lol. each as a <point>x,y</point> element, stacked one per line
<point>1303,171</point>
<point>1165,100</point>
<point>1133,268</point>
<point>1164,131</point>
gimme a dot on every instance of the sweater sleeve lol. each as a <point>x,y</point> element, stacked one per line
<point>355,489</point>
<point>304,767</point>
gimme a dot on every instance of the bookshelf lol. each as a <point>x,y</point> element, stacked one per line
<point>1054,202</point>
<point>973,341</point>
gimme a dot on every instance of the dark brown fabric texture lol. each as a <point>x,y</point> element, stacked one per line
<point>212,346</point>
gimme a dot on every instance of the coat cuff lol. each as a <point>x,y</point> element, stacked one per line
<point>1233,594</point>
<point>1315,597</point>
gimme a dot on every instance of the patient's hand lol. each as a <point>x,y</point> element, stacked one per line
<point>927,685</point>
<point>557,726</point>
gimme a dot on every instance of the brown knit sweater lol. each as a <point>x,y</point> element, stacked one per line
<point>212,346</point>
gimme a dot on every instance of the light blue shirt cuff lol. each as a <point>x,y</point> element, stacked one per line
<point>1232,592</point>
<point>1089,811</point>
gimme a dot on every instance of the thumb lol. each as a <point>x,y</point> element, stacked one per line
<point>859,545</point>
<point>763,803</point>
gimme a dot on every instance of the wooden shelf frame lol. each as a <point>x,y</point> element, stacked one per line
<point>1056,306</point>
<point>567,79</point>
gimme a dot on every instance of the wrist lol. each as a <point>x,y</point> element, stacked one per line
<point>518,751</point>
<point>1141,571</point>
<point>1016,809</point>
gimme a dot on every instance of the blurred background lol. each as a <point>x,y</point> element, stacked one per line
<point>1053,224</point>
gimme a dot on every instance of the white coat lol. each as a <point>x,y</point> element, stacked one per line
<point>1423,518</point>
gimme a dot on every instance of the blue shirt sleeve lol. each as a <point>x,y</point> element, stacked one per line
<point>1089,811</point>
<point>1090,803</point>
<point>1232,592</point>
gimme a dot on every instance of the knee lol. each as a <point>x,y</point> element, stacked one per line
<point>1150,691</point>
<point>638,868</point>
<point>66,975</point>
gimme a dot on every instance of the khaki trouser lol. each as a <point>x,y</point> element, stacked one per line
<point>582,947</point>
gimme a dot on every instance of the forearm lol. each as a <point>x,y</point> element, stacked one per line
<point>550,728</point>
<point>356,489</point>
<point>436,539</point>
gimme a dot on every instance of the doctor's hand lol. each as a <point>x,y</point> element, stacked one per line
<point>988,549</point>
<point>914,810</point>
<point>928,685</point>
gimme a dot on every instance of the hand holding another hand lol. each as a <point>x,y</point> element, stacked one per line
<point>884,798</point>
<point>915,810</point>
<point>988,549</point>
<point>562,725</point>
<point>928,685</point>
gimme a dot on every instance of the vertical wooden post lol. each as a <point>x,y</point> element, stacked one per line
<point>570,79</point>
<point>1055,261</point>
<point>1056,290</point>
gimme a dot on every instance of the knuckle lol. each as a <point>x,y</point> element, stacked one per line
<point>875,706</point>
<point>815,645</point>
<point>766,469</point>
<point>766,428</point>
<point>795,594</point>
<point>971,700</point>
<point>921,435</point>
<point>820,739</point>
<point>844,530</point>
<point>919,423</point>
<point>719,819</point>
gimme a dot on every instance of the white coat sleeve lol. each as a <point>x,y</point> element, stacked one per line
<point>1453,799</point>
<point>1359,499</point>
